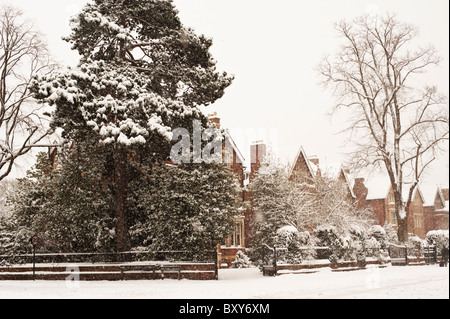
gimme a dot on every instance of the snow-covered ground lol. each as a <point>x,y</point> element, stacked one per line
<point>391,282</point>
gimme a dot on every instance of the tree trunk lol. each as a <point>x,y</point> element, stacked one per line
<point>402,231</point>
<point>402,218</point>
<point>121,186</point>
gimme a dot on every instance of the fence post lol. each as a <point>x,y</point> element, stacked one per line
<point>274,261</point>
<point>263,256</point>
<point>406,254</point>
<point>435,253</point>
<point>216,264</point>
<point>418,255</point>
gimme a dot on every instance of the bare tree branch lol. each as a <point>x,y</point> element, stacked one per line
<point>393,123</point>
<point>23,55</point>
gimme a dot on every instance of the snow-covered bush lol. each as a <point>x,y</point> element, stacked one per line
<point>288,239</point>
<point>391,234</point>
<point>377,244</point>
<point>344,246</point>
<point>337,243</point>
<point>416,242</point>
<point>241,261</point>
<point>294,245</point>
<point>440,238</point>
<point>378,233</point>
<point>67,207</point>
<point>358,244</point>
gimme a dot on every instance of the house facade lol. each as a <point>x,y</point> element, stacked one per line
<point>234,160</point>
<point>436,215</point>
<point>379,197</point>
<point>307,169</point>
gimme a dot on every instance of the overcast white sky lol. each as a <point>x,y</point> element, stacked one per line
<point>272,48</point>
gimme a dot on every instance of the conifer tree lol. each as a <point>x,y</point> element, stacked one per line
<point>188,207</point>
<point>141,74</point>
<point>69,207</point>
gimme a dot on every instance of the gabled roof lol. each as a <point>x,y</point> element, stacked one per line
<point>234,146</point>
<point>302,155</point>
<point>379,188</point>
<point>347,180</point>
<point>313,169</point>
<point>442,194</point>
<point>406,193</point>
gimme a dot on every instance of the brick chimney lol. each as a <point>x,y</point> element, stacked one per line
<point>213,118</point>
<point>314,160</point>
<point>257,154</point>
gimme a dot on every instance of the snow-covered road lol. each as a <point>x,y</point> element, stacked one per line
<point>416,282</point>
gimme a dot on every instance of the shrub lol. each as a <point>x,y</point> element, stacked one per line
<point>241,261</point>
<point>391,234</point>
<point>339,245</point>
<point>440,238</point>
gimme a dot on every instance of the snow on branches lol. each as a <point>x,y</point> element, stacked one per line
<point>112,100</point>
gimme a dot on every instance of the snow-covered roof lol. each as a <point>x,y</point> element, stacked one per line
<point>378,187</point>
<point>235,148</point>
<point>348,180</point>
<point>444,209</point>
<point>429,192</point>
<point>442,197</point>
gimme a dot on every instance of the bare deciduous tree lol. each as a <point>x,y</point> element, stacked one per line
<point>23,55</point>
<point>396,125</point>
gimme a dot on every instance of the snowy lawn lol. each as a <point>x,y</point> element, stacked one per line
<point>390,282</point>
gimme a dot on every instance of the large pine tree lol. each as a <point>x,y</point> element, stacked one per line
<point>189,207</point>
<point>141,74</point>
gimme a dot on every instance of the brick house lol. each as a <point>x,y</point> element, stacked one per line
<point>241,238</point>
<point>234,160</point>
<point>306,169</point>
<point>378,196</point>
<point>436,215</point>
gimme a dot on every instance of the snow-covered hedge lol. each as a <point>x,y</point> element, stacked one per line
<point>340,244</point>
<point>440,238</point>
<point>294,244</point>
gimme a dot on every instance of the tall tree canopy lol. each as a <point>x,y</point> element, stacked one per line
<point>141,74</point>
<point>395,124</point>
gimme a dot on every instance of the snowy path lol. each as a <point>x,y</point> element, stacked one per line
<point>391,282</point>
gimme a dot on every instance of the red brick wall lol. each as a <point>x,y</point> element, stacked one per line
<point>379,208</point>
<point>416,211</point>
<point>360,190</point>
<point>428,212</point>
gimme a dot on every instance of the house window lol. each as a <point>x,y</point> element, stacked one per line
<point>418,221</point>
<point>236,238</point>
<point>237,234</point>
<point>391,198</point>
<point>392,217</point>
<point>228,158</point>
